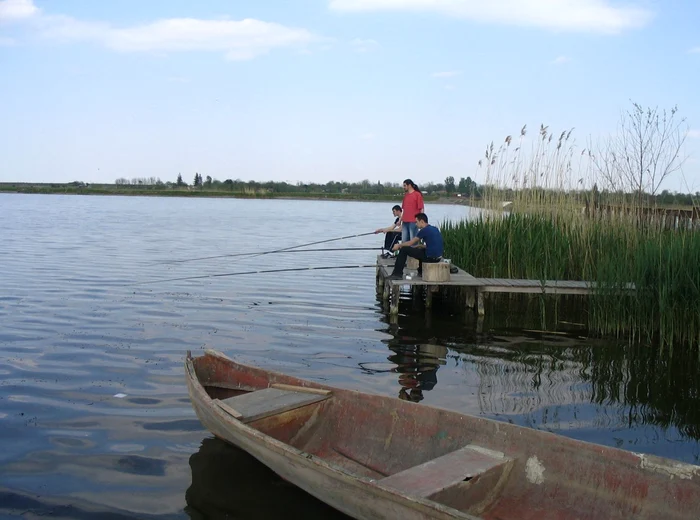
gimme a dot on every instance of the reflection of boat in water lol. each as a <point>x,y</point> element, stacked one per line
<point>376,457</point>
<point>229,483</point>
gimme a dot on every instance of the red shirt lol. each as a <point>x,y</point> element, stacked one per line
<point>412,204</point>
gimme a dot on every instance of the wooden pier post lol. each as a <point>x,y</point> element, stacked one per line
<point>471,298</point>
<point>475,300</point>
<point>430,290</point>
<point>395,295</point>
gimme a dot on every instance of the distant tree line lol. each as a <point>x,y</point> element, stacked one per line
<point>466,187</point>
<point>139,181</point>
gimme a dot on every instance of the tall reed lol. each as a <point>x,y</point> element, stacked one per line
<point>557,231</point>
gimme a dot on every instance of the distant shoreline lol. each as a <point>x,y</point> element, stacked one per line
<point>48,189</point>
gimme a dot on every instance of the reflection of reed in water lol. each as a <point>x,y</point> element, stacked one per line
<point>229,483</point>
<point>417,367</point>
<point>657,387</point>
<point>542,389</point>
<point>604,386</point>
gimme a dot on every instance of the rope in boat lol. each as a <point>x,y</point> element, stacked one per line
<point>219,275</point>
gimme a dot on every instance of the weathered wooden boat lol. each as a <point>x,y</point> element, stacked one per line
<point>375,457</point>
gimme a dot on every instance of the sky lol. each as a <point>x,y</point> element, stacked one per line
<point>321,90</point>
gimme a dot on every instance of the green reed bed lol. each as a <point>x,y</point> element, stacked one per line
<point>663,265</point>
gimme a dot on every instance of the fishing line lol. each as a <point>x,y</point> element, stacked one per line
<point>253,255</point>
<point>256,272</point>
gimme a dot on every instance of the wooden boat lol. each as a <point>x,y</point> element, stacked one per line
<point>375,457</point>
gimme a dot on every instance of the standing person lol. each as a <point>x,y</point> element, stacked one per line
<point>412,205</point>
<point>393,232</point>
<point>431,253</point>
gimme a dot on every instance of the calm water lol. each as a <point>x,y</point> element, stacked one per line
<point>95,421</point>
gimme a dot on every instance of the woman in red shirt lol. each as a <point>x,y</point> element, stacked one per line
<point>412,205</point>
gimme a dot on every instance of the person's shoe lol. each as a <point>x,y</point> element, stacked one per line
<point>453,269</point>
<point>394,276</point>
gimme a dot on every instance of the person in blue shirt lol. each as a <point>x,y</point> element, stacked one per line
<point>431,253</point>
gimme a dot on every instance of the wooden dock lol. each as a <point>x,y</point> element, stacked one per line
<point>476,287</point>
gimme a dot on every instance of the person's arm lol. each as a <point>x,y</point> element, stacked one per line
<point>387,229</point>
<point>414,240</point>
<point>421,209</point>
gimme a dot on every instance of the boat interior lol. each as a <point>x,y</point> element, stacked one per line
<point>346,433</point>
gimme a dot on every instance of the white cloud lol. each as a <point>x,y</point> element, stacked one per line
<point>560,60</point>
<point>13,10</point>
<point>694,134</point>
<point>237,39</point>
<point>361,45</point>
<point>566,15</point>
<point>694,50</point>
<point>369,136</point>
<point>446,74</point>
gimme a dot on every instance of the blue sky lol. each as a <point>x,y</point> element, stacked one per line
<point>319,90</point>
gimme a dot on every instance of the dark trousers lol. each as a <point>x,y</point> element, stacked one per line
<point>414,252</point>
<point>391,238</point>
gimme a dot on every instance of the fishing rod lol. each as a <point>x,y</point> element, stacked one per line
<point>324,249</point>
<point>318,250</point>
<point>253,255</point>
<point>218,275</point>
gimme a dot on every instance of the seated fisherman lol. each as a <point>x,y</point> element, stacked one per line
<point>393,232</point>
<point>431,253</point>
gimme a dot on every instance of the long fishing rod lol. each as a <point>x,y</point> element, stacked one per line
<point>253,255</point>
<point>317,250</point>
<point>218,275</point>
<point>324,249</point>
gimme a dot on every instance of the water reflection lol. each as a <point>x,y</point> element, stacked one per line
<point>229,483</point>
<point>417,367</point>
<point>636,397</point>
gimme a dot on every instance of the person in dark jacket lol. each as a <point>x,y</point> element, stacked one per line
<point>392,233</point>
<point>432,252</point>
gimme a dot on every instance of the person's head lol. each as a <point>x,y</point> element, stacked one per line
<point>421,220</point>
<point>396,210</point>
<point>409,186</point>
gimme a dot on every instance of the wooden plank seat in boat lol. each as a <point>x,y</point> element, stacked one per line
<point>436,475</point>
<point>263,403</point>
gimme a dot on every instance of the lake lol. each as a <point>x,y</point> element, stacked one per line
<point>95,421</point>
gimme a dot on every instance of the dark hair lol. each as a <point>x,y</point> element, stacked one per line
<point>412,184</point>
<point>422,216</point>
<point>396,208</point>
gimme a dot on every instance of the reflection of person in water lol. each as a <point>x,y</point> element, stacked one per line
<point>417,367</point>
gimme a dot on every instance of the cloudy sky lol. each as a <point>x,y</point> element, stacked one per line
<point>319,90</point>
